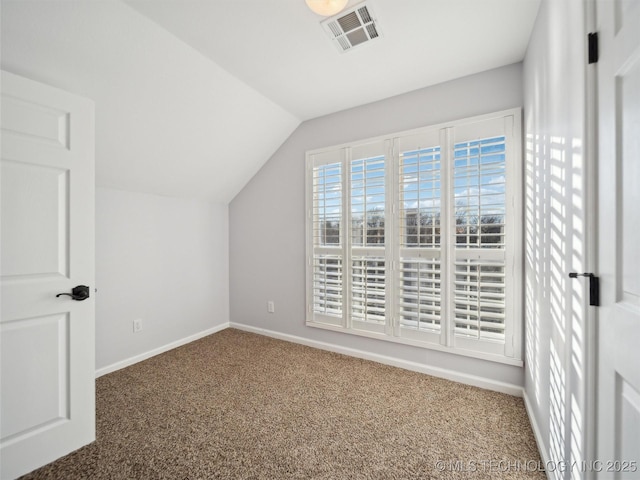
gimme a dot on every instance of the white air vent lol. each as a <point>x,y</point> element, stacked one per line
<point>352,27</point>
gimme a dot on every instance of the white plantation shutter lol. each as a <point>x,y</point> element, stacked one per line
<point>416,238</point>
<point>420,292</point>
<point>419,251</point>
<point>326,220</point>
<point>479,174</point>
<point>481,259</point>
<point>480,209</point>
<point>368,213</point>
<point>420,198</point>
<point>327,285</point>
<point>479,299</point>
<point>368,285</point>
<point>368,202</point>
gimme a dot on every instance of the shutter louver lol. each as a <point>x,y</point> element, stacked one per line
<point>367,201</point>
<point>480,299</point>
<point>368,290</point>
<point>479,186</point>
<point>420,292</point>
<point>420,198</point>
<point>327,204</point>
<point>327,285</point>
<point>327,262</point>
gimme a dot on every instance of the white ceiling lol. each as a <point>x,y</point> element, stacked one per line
<point>194,96</point>
<point>169,121</point>
<point>279,48</point>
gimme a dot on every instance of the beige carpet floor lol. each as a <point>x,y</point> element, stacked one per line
<point>236,405</point>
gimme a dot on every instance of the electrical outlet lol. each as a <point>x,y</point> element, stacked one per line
<point>137,325</point>
<point>271,306</point>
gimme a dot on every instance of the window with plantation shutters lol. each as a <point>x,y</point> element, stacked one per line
<point>482,253</point>
<point>416,237</point>
<point>479,191</point>
<point>419,250</point>
<point>367,250</point>
<point>326,226</point>
<point>368,202</point>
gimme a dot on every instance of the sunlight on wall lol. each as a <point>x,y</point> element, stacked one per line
<point>576,447</point>
<point>555,304</point>
<point>534,276</point>
<point>577,305</point>
<point>554,216</point>
<point>558,235</point>
<point>558,409</point>
<point>558,246</point>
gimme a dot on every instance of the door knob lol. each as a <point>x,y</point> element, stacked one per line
<point>594,287</point>
<point>79,293</point>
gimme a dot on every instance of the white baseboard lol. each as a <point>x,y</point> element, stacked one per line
<point>465,378</point>
<point>156,351</point>
<point>439,372</point>
<point>540,441</point>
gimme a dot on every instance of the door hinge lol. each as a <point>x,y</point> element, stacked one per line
<point>594,287</point>
<point>592,39</point>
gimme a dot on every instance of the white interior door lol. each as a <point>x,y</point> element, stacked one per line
<point>47,344</point>
<point>618,438</point>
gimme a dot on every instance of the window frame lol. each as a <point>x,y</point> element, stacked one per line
<point>509,352</point>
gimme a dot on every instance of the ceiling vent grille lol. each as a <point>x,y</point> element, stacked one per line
<point>353,27</point>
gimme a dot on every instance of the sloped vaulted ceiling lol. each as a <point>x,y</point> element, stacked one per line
<point>169,121</point>
<point>194,96</point>
<point>280,48</point>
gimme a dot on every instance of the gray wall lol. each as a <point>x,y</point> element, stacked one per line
<point>554,92</point>
<point>160,259</point>
<point>266,219</point>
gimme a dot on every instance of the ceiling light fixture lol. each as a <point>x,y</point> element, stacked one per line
<point>326,8</point>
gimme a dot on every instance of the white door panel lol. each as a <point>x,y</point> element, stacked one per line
<point>628,92</point>
<point>40,394</point>
<point>36,121</point>
<point>35,198</point>
<point>618,397</point>
<point>46,342</point>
